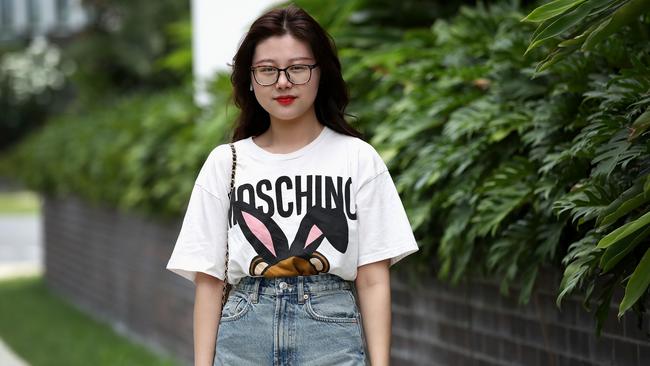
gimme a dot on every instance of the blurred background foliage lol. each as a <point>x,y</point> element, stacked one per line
<point>128,46</point>
<point>122,48</point>
<point>32,85</point>
<point>516,131</point>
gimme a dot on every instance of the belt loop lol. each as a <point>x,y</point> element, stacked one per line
<point>256,290</point>
<point>301,290</point>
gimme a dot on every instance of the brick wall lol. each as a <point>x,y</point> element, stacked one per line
<point>472,324</point>
<point>112,265</point>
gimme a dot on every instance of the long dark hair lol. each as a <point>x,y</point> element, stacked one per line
<point>332,97</point>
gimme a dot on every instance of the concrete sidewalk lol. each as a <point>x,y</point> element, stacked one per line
<point>8,357</point>
<point>20,269</point>
<point>20,241</point>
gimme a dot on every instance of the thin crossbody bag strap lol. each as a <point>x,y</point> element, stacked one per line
<point>227,286</point>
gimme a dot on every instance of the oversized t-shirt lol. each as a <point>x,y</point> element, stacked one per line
<point>328,207</point>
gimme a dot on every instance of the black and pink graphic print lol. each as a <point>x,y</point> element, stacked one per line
<point>276,256</point>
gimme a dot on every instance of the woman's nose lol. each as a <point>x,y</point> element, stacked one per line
<point>282,80</point>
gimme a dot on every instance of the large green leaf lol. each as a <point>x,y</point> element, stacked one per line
<point>637,285</point>
<point>564,22</point>
<point>629,200</point>
<point>624,231</point>
<point>551,9</point>
<point>627,207</point>
<point>596,35</point>
<point>621,248</point>
<point>623,15</point>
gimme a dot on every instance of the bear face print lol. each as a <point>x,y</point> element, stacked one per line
<point>275,256</point>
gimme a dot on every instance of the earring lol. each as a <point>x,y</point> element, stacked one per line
<point>251,87</point>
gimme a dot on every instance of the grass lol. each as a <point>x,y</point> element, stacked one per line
<point>22,202</point>
<point>46,331</point>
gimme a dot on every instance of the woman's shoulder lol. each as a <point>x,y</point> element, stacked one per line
<point>366,160</point>
<point>222,154</point>
<point>360,147</point>
<point>215,170</point>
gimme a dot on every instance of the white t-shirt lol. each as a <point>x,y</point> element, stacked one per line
<point>328,207</point>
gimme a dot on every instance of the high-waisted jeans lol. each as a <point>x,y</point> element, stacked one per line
<point>291,321</point>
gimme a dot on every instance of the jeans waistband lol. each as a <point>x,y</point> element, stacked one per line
<point>302,286</point>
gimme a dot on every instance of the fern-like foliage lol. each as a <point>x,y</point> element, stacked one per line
<point>580,265</point>
<point>587,200</point>
<point>507,164</point>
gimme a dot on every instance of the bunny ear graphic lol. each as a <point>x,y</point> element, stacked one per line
<point>320,223</point>
<point>264,235</point>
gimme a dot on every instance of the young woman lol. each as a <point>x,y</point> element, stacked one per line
<point>315,219</point>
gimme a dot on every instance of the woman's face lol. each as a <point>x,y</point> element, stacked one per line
<point>284,51</point>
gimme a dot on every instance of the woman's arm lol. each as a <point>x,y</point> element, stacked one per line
<point>373,290</point>
<point>207,310</point>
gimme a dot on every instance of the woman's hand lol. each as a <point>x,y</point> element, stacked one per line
<point>373,290</point>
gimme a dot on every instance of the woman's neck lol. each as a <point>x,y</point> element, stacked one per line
<point>284,136</point>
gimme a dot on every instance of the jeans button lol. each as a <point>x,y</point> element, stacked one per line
<point>283,285</point>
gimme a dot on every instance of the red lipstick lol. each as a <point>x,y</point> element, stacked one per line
<point>285,99</point>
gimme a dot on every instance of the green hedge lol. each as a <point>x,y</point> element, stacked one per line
<point>506,164</point>
<point>136,152</point>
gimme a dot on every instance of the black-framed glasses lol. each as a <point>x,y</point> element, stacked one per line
<point>269,75</point>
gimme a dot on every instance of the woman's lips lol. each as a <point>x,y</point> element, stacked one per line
<point>285,101</point>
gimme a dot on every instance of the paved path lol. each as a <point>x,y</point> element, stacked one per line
<point>9,358</point>
<point>21,253</point>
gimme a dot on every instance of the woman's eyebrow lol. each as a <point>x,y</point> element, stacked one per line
<point>290,60</point>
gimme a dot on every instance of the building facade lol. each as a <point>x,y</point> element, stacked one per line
<point>25,19</point>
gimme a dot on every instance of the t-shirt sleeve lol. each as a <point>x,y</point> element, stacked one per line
<point>201,242</point>
<point>383,226</point>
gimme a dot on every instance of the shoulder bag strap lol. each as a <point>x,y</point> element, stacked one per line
<point>227,286</point>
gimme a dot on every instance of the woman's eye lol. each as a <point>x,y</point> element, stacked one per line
<point>298,68</point>
<point>266,70</point>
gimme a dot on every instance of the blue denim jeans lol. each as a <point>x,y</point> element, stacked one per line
<point>291,321</point>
